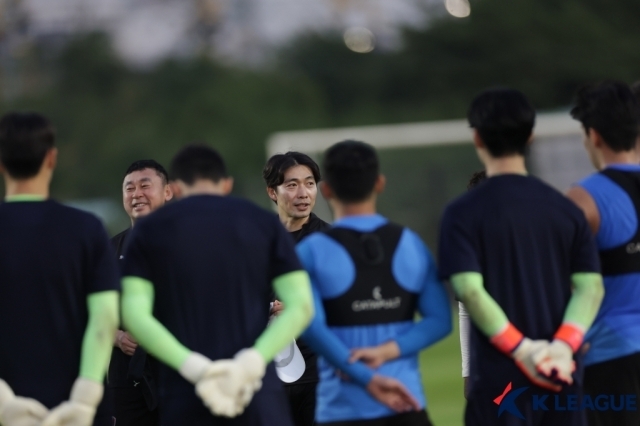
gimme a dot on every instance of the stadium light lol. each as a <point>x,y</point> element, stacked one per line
<point>458,8</point>
<point>359,39</point>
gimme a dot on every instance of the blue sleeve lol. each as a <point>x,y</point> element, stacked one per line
<point>433,304</point>
<point>320,338</point>
<point>325,343</point>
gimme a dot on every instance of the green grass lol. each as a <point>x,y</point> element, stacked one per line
<point>442,380</point>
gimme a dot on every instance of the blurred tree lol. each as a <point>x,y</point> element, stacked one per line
<point>108,116</point>
<point>544,47</point>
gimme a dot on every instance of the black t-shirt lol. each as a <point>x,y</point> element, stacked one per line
<point>118,375</point>
<point>212,261</point>
<point>310,375</point>
<point>51,258</point>
<point>526,239</point>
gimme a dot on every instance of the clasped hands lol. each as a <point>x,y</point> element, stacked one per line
<point>79,410</point>
<point>547,364</point>
<point>226,386</point>
<point>386,390</point>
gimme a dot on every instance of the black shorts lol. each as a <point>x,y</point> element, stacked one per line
<point>130,408</point>
<point>302,400</point>
<point>419,418</point>
<point>620,376</point>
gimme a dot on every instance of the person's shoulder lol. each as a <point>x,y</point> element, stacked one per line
<point>593,178</point>
<point>465,203</point>
<point>80,219</point>
<point>120,236</point>
<point>553,197</point>
<point>315,240</point>
<point>317,224</point>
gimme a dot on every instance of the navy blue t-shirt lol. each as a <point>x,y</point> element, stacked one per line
<point>51,258</point>
<point>526,239</point>
<point>212,261</point>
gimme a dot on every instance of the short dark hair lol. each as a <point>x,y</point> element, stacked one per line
<point>25,139</point>
<point>611,108</point>
<point>476,179</point>
<point>277,166</point>
<point>136,166</point>
<point>198,161</point>
<point>351,169</point>
<point>504,119</point>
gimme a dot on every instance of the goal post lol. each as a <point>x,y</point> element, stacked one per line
<point>428,164</point>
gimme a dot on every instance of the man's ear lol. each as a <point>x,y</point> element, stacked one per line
<point>595,137</point>
<point>175,189</point>
<point>51,158</point>
<point>227,186</point>
<point>380,184</point>
<point>168,192</point>
<point>326,190</point>
<point>477,139</point>
<point>531,138</point>
<point>271,192</point>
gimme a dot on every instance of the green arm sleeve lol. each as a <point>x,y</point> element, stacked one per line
<point>482,308</point>
<point>583,306</point>
<point>294,289</point>
<point>137,315</point>
<point>98,337</point>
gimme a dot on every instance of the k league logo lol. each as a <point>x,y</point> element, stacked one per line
<point>507,401</point>
<point>563,402</point>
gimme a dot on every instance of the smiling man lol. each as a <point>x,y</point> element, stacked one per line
<point>145,188</point>
<point>292,180</point>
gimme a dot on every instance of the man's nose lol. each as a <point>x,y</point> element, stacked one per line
<point>137,193</point>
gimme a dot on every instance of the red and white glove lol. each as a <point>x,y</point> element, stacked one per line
<point>526,353</point>
<point>557,362</point>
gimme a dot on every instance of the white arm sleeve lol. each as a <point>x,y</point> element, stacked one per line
<point>465,329</point>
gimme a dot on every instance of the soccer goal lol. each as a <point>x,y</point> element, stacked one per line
<point>428,164</point>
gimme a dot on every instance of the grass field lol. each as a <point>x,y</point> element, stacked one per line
<point>441,375</point>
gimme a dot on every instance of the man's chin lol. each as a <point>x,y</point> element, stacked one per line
<point>139,214</point>
<point>301,215</point>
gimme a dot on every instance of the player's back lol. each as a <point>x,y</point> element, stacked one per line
<point>616,331</point>
<point>51,258</point>
<point>528,239</point>
<point>212,263</point>
<point>367,301</point>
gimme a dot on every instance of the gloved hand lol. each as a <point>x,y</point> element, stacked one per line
<point>80,409</point>
<point>226,386</point>
<point>527,355</point>
<point>556,361</point>
<point>19,411</point>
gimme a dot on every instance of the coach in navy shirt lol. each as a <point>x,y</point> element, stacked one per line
<point>523,261</point>
<point>292,184</point>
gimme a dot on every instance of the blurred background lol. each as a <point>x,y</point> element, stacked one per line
<point>129,79</point>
